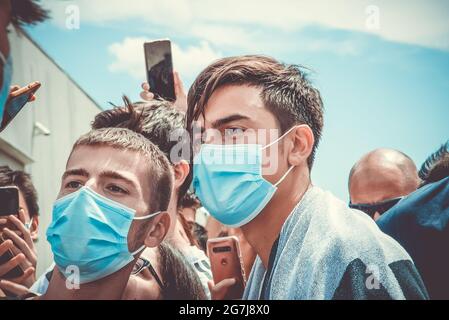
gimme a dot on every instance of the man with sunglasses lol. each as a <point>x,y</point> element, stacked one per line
<point>380,179</point>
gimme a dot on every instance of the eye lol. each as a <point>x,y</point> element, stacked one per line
<point>233,132</point>
<point>73,185</point>
<point>116,189</point>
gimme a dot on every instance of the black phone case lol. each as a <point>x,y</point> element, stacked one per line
<point>8,255</point>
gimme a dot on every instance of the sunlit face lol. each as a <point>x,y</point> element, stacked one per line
<point>144,286</point>
<point>120,175</point>
<point>237,115</point>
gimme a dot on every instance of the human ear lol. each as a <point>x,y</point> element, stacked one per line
<point>181,171</point>
<point>158,231</point>
<point>300,145</point>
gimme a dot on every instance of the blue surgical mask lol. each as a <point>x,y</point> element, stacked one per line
<point>90,232</point>
<point>228,180</point>
<point>6,83</point>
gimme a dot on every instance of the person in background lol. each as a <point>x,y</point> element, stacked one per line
<point>162,273</point>
<point>21,239</point>
<point>380,179</point>
<point>267,118</point>
<point>19,13</point>
<point>157,120</point>
<point>192,216</point>
<point>200,234</point>
<point>106,213</point>
<point>436,166</point>
<point>189,205</point>
<point>420,223</point>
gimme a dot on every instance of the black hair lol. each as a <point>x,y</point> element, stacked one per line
<point>436,166</point>
<point>27,12</point>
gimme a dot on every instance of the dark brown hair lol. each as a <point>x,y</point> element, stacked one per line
<point>21,180</point>
<point>27,12</point>
<point>436,166</point>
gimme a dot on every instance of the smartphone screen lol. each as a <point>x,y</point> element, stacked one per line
<point>159,63</point>
<point>17,102</point>
<point>9,201</point>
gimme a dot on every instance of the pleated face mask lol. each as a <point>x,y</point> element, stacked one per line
<point>90,232</point>
<point>228,180</point>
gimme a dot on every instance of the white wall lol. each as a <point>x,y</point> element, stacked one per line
<point>61,106</point>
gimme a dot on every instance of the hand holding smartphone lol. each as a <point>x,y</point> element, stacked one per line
<point>226,263</point>
<point>159,68</point>
<point>9,205</point>
<point>16,101</point>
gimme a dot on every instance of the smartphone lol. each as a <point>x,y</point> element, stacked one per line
<point>226,262</point>
<point>9,201</point>
<point>9,205</point>
<point>16,101</point>
<point>159,64</point>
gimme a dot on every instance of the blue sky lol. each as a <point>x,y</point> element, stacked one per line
<point>382,66</point>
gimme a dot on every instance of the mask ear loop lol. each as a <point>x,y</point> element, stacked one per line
<point>280,138</point>
<point>147,216</point>
<point>140,249</point>
<point>275,141</point>
<point>284,176</point>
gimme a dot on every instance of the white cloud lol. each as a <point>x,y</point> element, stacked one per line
<point>410,21</point>
<point>128,57</point>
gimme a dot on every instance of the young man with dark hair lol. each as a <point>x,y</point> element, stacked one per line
<point>310,245</point>
<point>106,213</point>
<point>160,122</point>
<point>21,240</point>
<point>19,13</point>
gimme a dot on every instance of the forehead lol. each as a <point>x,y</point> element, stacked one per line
<point>244,100</point>
<point>131,164</point>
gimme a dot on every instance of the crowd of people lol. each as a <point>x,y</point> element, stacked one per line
<point>152,181</point>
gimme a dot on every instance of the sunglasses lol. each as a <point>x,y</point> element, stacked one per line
<point>379,207</point>
<point>143,263</point>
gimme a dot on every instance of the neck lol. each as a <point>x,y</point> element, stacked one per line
<point>263,230</point>
<point>176,235</point>
<point>108,288</point>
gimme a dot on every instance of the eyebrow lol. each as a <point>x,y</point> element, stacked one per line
<point>75,172</point>
<point>231,118</point>
<point>118,176</point>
